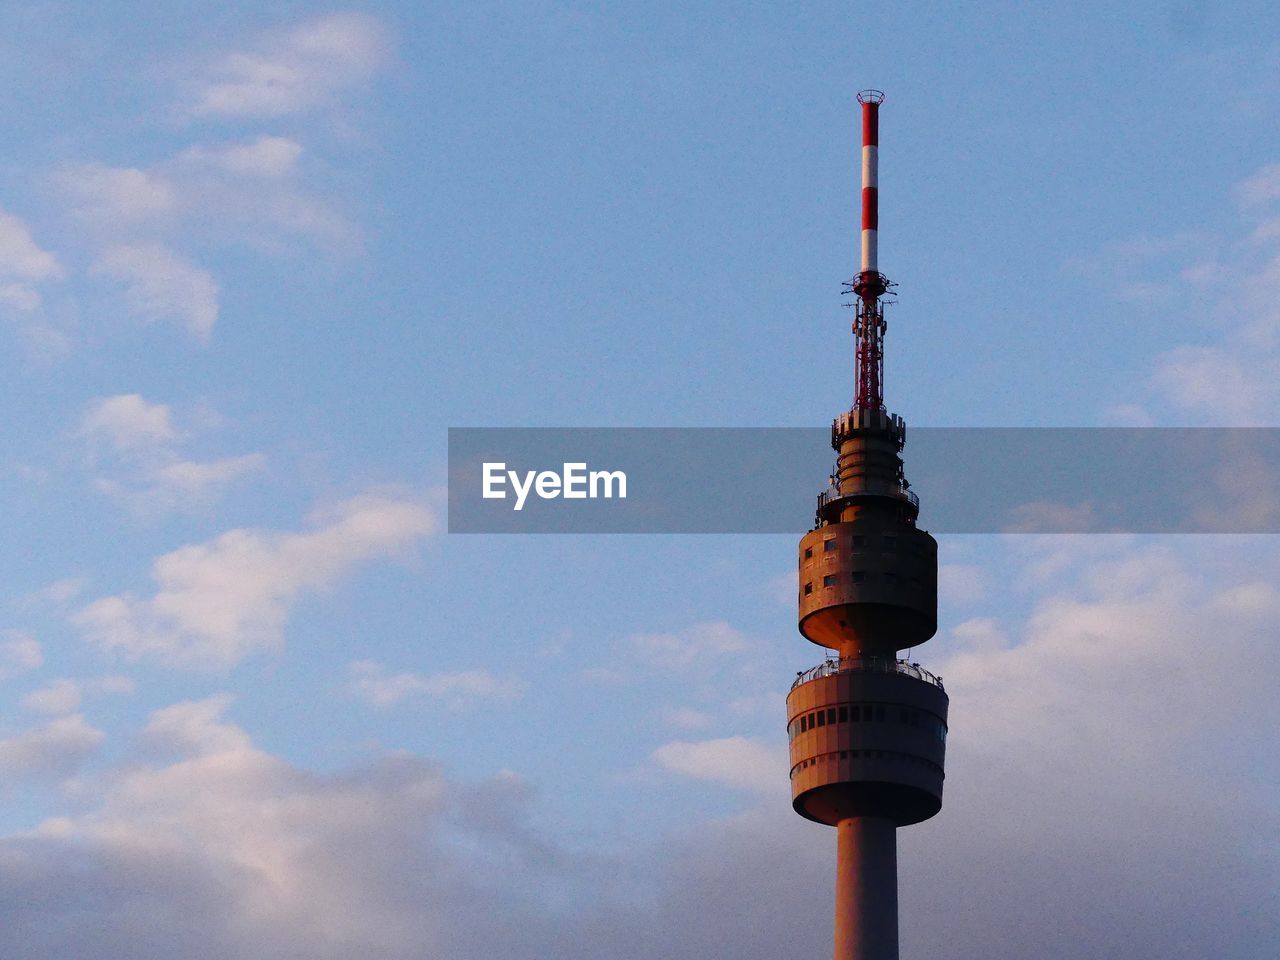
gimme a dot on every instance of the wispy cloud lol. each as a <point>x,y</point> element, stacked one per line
<point>218,602</point>
<point>736,762</point>
<point>64,695</point>
<point>161,285</point>
<point>141,450</point>
<point>19,652</point>
<point>703,644</point>
<point>127,423</point>
<point>49,752</point>
<point>1233,282</point>
<point>223,849</point>
<point>1262,187</point>
<point>115,196</point>
<point>138,221</point>
<point>373,682</point>
<point>24,265</point>
<point>309,66</point>
<point>264,156</point>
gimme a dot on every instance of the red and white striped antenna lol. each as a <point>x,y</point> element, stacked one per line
<point>870,100</point>
<point>870,284</point>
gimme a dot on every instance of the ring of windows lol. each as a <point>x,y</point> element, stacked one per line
<point>867,713</point>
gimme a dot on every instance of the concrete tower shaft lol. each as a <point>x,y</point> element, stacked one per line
<point>867,731</point>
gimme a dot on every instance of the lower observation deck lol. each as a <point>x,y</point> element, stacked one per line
<point>868,738</point>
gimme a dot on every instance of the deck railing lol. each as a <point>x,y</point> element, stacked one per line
<point>866,665</point>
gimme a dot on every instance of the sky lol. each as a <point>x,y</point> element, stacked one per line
<point>256,259</point>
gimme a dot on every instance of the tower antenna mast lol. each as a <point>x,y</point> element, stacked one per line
<point>869,285</point>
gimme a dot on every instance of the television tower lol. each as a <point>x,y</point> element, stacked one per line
<point>867,729</point>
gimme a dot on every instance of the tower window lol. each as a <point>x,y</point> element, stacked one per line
<point>831,715</point>
<point>844,714</point>
<point>822,718</point>
<point>880,714</point>
<point>891,543</point>
<point>808,553</point>
<point>828,546</point>
<point>859,576</point>
<point>829,580</point>
<point>808,589</point>
<point>855,713</point>
<point>859,542</point>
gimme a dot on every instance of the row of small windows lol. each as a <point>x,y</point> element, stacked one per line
<point>863,755</point>
<point>865,576</point>
<point>829,545</point>
<point>866,713</point>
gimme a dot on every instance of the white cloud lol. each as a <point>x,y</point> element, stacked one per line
<point>180,484</point>
<point>372,682</point>
<point>20,296</point>
<point>19,652</point>
<point>23,265</point>
<point>60,591</point>
<point>1215,378</point>
<point>64,695</point>
<point>147,470</point>
<point>242,192</point>
<point>20,256</point>
<point>116,196</point>
<point>300,69</point>
<point>220,601</point>
<point>55,699</point>
<point>128,422</point>
<point>197,480</point>
<point>1260,188</point>
<point>160,285</point>
<point>686,718</point>
<point>732,761</point>
<point>50,752</point>
<point>701,645</point>
<point>195,728</point>
<point>1226,375</point>
<point>1139,641</point>
<point>265,156</point>
<point>227,850</point>
<point>980,633</point>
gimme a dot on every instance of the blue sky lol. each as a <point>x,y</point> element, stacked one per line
<point>254,262</point>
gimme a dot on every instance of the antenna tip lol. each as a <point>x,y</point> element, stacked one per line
<point>871,96</point>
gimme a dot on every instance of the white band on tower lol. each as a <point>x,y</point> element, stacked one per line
<point>870,191</point>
